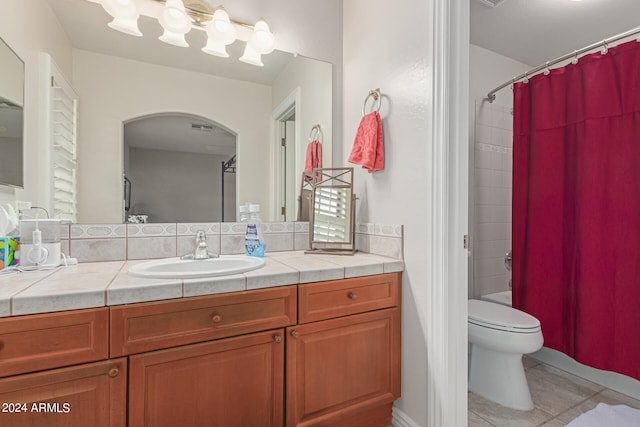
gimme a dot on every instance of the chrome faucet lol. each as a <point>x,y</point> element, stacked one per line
<point>201,251</point>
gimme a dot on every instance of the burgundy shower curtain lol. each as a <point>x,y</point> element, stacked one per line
<point>576,207</point>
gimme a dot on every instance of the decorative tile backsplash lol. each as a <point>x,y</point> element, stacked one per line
<point>118,242</point>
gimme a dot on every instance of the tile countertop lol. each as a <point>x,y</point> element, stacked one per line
<point>98,284</point>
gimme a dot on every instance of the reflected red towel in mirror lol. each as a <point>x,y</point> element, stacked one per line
<point>314,157</point>
<point>368,146</point>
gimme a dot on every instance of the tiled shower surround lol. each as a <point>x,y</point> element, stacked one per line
<point>492,170</point>
<point>118,242</point>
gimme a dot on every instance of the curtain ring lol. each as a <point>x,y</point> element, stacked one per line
<point>377,96</point>
<point>525,80</point>
<point>605,48</point>
<point>546,69</point>
<point>574,61</point>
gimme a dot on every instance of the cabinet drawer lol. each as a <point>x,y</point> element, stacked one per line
<point>44,341</point>
<point>151,326</point>
<point>326,300</point>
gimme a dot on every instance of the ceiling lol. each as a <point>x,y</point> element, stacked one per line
<point>537,31</point>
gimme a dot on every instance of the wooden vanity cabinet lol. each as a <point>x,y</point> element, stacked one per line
<point>343,369</point>
<point>319,354</point>
<point>206,361</point>
<point>39,385</point>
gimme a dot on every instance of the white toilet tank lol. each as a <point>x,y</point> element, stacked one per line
<point>504,298</point>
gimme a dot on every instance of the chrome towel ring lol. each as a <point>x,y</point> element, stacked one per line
<point>316,133</point>
<point>377,97</point>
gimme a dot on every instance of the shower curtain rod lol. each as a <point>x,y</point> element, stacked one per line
<point>492,95</point>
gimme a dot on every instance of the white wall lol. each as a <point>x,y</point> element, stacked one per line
<point>391,48</point>
<point>28,27</point>
<point>114,90</point>
<point>490,134</point>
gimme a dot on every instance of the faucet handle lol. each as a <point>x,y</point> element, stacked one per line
<point>200,236</point>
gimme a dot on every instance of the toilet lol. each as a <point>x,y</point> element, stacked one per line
<point>499,335</point>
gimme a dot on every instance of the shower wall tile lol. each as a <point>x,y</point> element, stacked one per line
<point>491,284</point>
<point>492,197</point>
<point>492,213</point>
<point>491,266</point>
<point>493,230</point>
<point>485,249</point>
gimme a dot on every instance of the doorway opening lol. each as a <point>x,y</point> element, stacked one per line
<point>179,168</point>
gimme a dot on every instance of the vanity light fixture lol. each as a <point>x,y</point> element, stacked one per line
<point>125,16</point>
<point>175,22</point>
<point>178,17</point>
<point>220,33</point>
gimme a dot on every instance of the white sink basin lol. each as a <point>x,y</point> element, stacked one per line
<point>176,268</point>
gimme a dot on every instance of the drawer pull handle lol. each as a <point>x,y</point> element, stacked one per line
<point>216,318</point>
<point>277,339</point>
<point>294,334</point>
<point>113,372</point>
<point>352,296</point>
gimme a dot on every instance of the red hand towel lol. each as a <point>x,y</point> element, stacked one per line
<point>314,157</point>
<point>368,146</point>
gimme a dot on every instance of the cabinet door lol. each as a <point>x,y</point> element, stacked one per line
<point>85,395</point>
<point>344,371</point>
<point>234,382</point>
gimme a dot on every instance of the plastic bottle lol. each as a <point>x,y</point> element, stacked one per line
<point>244,213</point>
<point>254,239</point>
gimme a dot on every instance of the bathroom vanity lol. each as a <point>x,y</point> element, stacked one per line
<point>310,353</point>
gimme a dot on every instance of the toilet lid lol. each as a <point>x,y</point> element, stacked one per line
<point>502,317</point>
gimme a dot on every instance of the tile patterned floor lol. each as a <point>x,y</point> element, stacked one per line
<point>558,396</point>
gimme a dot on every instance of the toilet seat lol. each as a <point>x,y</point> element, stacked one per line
<point>501,317</point>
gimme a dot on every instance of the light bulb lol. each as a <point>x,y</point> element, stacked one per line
<point>251,56</point>
<point>175,22</point>
<point>125,16</point>
<point>262,40</point>
<point>221,20</point>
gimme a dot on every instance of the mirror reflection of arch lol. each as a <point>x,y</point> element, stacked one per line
<point>178,167</point>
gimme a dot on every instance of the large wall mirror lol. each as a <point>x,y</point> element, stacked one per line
<point>11,117</point>
<point>121,79</point>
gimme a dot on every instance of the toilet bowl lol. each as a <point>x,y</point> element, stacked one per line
<point>499,335</point>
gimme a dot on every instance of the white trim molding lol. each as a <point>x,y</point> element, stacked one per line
<point>400,419</point>
<point>447,305</point>
<point>293,101</point>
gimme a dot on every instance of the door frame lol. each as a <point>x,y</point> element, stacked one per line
<point>281,112</point>
<point>447,299</point>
